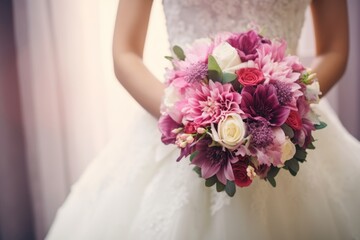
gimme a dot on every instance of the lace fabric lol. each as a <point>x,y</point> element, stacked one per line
<point>188,20</point>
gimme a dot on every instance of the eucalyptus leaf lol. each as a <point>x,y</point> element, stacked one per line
<point>292,172</point>
<point>300,154</point>
<point>219,186</point>
<point>288,130</point>
<point>214,70</point>
<point>197,170</point>
<point>228,77</point>
<point>321,125</point>
<point>272,181</point>
<point>211,181</point>
<point>293,165</point>
<point>273,172</point>
<point>230,188</point>
<point>179,52</point>
<point>310,146</point>
<point>170,58</point>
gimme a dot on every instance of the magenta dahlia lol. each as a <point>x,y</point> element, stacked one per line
<point>261,103</point>
<point>214,161</point>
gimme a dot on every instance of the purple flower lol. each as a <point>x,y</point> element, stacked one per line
<point>214,161</point>
<point>207,103</point>
<point>166,126</point>
<point>246,45</point>
<point>303,136</point>
<point>261,134</point>
<point>261,102</point>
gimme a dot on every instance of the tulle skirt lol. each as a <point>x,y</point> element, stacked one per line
<point>135,189</point>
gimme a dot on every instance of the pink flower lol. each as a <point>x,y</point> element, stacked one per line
<point>303,135</point>
<point>265,143</point>
<point>250,76</point>
<point>246,44</point>
<point>206,104</point>
<point>194,67</point>
<point>166,126</point>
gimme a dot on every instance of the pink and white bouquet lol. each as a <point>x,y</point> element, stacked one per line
<point>240,108</point>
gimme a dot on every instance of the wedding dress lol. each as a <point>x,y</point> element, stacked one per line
<point>136,190</point>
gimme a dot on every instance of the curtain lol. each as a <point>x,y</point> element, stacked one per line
<point>71,102</point>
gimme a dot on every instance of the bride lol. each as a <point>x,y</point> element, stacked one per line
<point>136,190</point>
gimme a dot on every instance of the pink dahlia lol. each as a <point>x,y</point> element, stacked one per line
<point>206,104</point>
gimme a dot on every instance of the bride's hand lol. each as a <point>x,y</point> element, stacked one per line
<point>128,45</point>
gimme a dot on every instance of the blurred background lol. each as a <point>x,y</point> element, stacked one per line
<point>60,102</point>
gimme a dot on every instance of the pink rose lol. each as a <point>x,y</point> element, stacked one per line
<point>250,76</point>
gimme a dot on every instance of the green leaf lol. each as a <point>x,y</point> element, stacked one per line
<point>292,172</point>
<point>320,126</point>
<point>230,188</point>
<point>197,170</point>
<point>193,155</point>
<point>272,181</point>
<point>214,70</point>
<point>288,130</point>
<point>219,186</point>
<point>179,52</point>
<point>211,181</point>
<point>228,77</point>
<point>273,172</point>
<point>293,165</point>
<point>300,154</point>
<point>310,146</point>
<point>170,58</point>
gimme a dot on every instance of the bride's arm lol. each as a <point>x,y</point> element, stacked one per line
<point>128,45</point>
<point>332,40</point>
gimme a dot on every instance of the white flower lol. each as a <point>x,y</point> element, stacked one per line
<point>230,132</point>
<point>288,150</point>
<point>313,116</point>
<point>312,92</point>
<point>171,96</point>
<point>227,57</point>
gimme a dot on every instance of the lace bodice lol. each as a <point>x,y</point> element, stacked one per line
<point>190,19</point>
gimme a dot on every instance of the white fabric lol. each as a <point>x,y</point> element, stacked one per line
<point>135,190</point>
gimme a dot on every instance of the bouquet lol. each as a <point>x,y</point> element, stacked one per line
<point>240,108</point>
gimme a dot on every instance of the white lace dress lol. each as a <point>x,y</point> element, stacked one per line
<point>135,189</point>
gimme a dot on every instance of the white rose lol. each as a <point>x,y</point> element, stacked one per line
<point>288,150</point>
<point>312,92</point>
<point>230,132</point>
<point>227,57</point>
